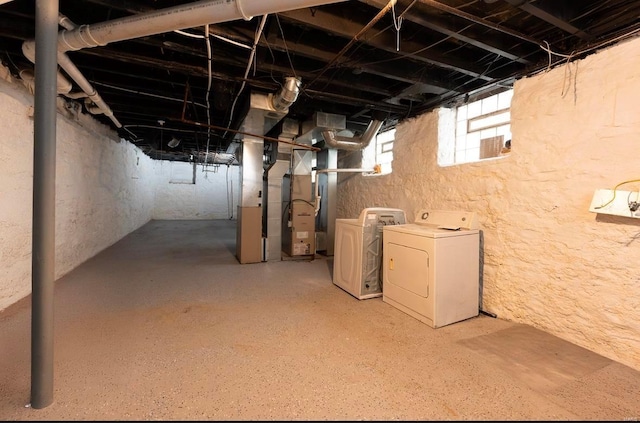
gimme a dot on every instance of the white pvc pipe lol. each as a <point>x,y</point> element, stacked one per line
<point>65,22</point>
<point>372,170</point>
<point>175,18</point>
<point>75,74</point>
<point>157,22</point>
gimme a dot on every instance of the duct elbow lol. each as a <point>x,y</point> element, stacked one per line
<point>287,95</point>
<point>352,143</point>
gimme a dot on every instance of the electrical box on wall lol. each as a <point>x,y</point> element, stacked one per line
<point>616,202</point>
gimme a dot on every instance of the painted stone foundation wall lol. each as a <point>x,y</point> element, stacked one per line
<point>547,261</point>
<point>105,189</point>
<point>102,192</point>
<point>214,195</point>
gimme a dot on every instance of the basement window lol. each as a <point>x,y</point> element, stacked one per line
<point>379,152</point>
<point>182,173</point>
<point>475,131</point>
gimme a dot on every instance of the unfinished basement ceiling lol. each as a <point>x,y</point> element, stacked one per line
<point>358,59</point>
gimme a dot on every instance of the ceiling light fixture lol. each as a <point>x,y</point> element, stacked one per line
<point>174,142</point>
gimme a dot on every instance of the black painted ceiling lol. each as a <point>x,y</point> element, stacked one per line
<point>354,58</point>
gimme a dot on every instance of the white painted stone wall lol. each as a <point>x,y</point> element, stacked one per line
<point>104,189</point>
<point>214,195</point>
<point>548,261</point>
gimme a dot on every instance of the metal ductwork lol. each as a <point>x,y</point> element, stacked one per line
<point>275,170</point>
<point>287,95</point>
<point>265,111</point>
<point>328,126</point>
<point>311,130</point>
<point>333,140</point>
<point>260,119</point>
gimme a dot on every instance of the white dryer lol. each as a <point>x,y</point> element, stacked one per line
<point>357,257</point>
<point>431,268</point>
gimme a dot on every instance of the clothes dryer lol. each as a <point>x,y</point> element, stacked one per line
<point>431,268</point>
<point>358,251</point>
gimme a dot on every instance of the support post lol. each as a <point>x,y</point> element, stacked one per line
<point>44,172</point>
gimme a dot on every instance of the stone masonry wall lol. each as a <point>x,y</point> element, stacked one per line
<point>104,189</point>
<point>214,195</point>
<point>547,261</point>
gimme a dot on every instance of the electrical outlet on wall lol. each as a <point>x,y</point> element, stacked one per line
<point>617,203</point>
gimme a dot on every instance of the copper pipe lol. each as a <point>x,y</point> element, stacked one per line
<point>264,137</point>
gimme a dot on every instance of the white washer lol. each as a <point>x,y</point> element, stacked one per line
<point>431,268</point>
<point>358,251</point>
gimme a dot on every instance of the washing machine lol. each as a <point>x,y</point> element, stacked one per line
<point>357,252</point>
<point>431,267</point>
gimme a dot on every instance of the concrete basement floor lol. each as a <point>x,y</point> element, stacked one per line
<point>167,325</point>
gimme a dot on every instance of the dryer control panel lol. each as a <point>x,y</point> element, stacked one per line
<point>448,219</point>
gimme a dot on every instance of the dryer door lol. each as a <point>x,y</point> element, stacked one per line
<point>407,268</point>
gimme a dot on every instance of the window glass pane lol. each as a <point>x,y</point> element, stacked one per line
<point>488,133</point>
<point>504,99</point>
<point>489,104</point>
<point>475,109</point>
<point>462,113</point>
<point>474,131</point>
<point>473,140</point>
<point>473,154</point>
<point>379,152</point>
<point>385,168</point>
<point>504,131</point>
<point>461,127</point>
<point>461,142</point>
<point>491,120</point>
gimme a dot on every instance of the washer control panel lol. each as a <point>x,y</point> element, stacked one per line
<point>382,217</point>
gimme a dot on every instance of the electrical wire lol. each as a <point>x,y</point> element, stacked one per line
<point>252,56</point>
<point>160,127</point>
<point>286,49</point>
<point>228,40</point>
<point>209,60</point>
<point>614,192</point>
<point>578,53</point>
<point>397,24</point>
<point>186,34</point>
<point>143,93</point>
<point>563,93</point>
<point>353,40</point>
